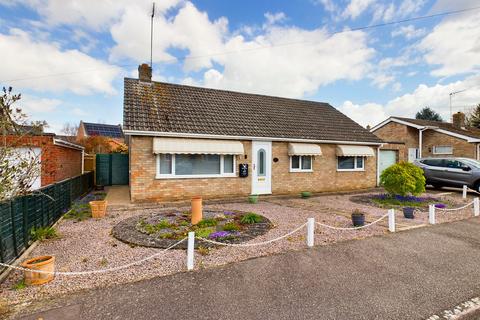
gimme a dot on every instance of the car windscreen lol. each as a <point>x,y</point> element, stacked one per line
<point>472,163</point>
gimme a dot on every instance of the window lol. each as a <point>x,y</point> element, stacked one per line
<point>195,165</point>
<point>442,150</point>
<point>433,162</point>
<point>356,163</point>
<point>300,163</point>
<point>261,162</point>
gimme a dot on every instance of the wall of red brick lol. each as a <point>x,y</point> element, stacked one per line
<point>58,163</point>
<point>325,177</point>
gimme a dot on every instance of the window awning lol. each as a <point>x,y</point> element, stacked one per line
<point>350,151</point>
<point>304,149</point>
<point>196,146</point>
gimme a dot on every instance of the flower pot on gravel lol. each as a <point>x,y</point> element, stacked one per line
<point>408,212</point>
<point>358,219</point>
<point>42,263</point>
<point>253,198</point>
<point>99,208</point>
<point>196,210</point>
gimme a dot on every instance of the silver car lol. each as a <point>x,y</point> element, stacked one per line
<point>451,172</point>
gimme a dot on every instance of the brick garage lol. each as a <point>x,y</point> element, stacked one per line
<point>60,160</point>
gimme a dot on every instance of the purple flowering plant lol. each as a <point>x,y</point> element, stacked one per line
<point>440,205</point>
<point>223,235</point>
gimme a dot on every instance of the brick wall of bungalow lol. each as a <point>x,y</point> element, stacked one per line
<point>325,177</point>
<point>401,137</point>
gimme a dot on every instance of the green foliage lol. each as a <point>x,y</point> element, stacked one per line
<point>154,228</point>
<point>43,233</point>
<point>253,198</point>
<point>306,194</point>
<point>473,118</point>
<point>389,202</point>
<point>231,226</point>
<point>19,285</point>
<point>211,222</point>
<point>251,218</point>
<point>204,232</point>
<point>79,212</point>
<point>402,179</point>
<point>428,114</point>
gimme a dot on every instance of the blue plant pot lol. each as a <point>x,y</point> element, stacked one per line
<point>408,212</point>
<point>358,220</point>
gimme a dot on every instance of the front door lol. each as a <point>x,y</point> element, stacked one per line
<point>412,154</point>
<point>261,167</point>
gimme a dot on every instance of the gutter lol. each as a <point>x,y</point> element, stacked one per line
<point>217,136</point>
<point>67,144</point>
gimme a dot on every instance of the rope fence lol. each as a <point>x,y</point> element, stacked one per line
<point>310,239</point>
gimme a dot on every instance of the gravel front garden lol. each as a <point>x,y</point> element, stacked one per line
<point>87,244</point>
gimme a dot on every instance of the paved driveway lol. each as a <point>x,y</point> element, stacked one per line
<point>407,275</point>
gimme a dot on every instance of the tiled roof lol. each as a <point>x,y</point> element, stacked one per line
<point>105,130</point>
<point>164,107</point>
<point>467,131</point>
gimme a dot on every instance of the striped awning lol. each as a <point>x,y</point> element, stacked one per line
<point>350,151</point>
<point>304,149</point>
<point>196,146</point>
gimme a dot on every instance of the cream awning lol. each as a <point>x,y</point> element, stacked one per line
<point>196,146</point>
<point>350,151</point>
<point>304,149</point>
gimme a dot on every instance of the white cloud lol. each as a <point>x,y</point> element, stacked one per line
<point>35,105</point>
<point>390,12</point>
<point>409,32</point>
<point>25,58</point>
<point>79,112</point>
<point>435,97</point>
<point>356,7</point>
<point>329,5</point>
<point>454,45</point>
<point>273,18</point>
<point>92,14</point>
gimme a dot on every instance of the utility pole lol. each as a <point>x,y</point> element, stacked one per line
<point>151,36</point>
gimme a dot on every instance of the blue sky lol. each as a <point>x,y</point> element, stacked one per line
<point>68,58</point>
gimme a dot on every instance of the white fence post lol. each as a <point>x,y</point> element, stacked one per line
<point>431,214</point>
<point>310,232</point>
<point>391,220</point>
<point>464,194</point>
<point>476,207</point>
<point>190,250</point>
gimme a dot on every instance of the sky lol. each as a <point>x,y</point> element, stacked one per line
<point>68,58</point>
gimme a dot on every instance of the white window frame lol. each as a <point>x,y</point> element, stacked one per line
<point>222,174</point>
<point>300,161</point>
<point>434,151</point>
<point>355,168</point>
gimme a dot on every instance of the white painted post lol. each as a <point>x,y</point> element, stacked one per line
<point>476,207</point>
<point>431,214</point>
<point>464,194</point>
<point>391,220</point>
<point>190,250</point>
<point>310,232</point>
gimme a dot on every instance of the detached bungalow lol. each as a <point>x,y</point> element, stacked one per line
<point>186,141</point>
<point>408,139</point>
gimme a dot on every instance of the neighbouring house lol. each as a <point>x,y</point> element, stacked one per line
<point>113,132</point>
<point>408,139</point>
<point>186,141</point>
<point>59,159</point>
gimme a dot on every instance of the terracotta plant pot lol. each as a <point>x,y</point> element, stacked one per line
<point>42,263</point>
<point>196,210</point>
<point>99,208</point>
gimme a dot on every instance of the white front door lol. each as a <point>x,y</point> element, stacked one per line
<point>412,154</point>
<point>261,167</point>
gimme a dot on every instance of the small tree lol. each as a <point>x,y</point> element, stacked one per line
<point>428,114</point>
<point>473,118</point>
<point>19,164</point>
<point>70,130</point>
<point>402,179</point>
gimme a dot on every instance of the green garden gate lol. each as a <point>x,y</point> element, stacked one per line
<point>112,169</point>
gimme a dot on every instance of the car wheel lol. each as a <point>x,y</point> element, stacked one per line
<point>477,186</point>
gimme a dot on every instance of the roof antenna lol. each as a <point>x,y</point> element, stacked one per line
<point>151,36</point>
